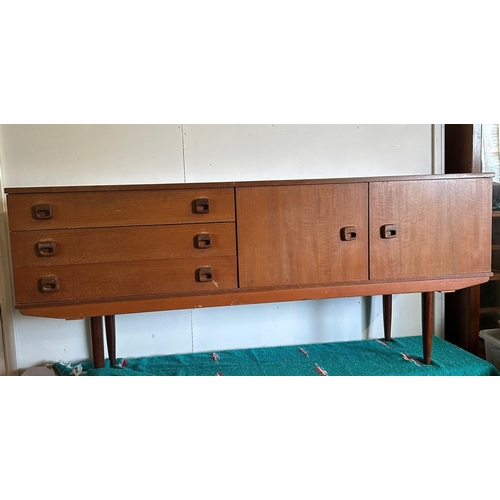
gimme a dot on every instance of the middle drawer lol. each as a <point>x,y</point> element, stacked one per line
<point>121,244</point>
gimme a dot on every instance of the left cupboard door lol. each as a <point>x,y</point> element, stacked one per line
<point>299,235</point>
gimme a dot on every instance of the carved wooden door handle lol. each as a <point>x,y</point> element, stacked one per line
<point>46,248</point>
<point>201,206</point>
<point>348,233</point>
<point>204,274</point>
<point>42,211</point>
<point>48,284</point>
<point>203,240</point>
<point>388,231</point>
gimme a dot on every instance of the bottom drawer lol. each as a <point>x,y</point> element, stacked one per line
<point>123,279</point>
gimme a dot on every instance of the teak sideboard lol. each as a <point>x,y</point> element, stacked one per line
<point>98,251</point>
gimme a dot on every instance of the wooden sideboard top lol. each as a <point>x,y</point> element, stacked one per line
<point>290,182</point>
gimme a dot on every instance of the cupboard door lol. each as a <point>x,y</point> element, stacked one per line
<point>302,235</point>
<point>429,228</point>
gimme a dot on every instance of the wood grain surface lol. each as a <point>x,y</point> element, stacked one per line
<point>443,228</point>
<point>122,279</point>
<point>291,235</point>
<point>119,208</point>
<point>128,250</point>
<point>228,184</point>
<point>86,246</point>
<point>216,298</point>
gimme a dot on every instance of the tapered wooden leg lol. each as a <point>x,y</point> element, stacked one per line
<point>111,338</point>
<point>427,325</point>
<point>387,307</point>
<point>96,332</point>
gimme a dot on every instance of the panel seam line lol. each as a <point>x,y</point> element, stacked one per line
<point>183,153</point>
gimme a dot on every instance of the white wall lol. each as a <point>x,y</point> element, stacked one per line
<point>42,155</point>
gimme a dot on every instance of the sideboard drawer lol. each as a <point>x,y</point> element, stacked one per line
<point>36,211</point>
<point>86,246</point>
<point>123,279</point>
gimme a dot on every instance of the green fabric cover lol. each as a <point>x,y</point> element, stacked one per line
<point>400,356</point>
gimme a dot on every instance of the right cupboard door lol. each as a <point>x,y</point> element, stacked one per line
<point>429,228</point>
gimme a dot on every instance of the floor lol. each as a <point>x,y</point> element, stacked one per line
<point>40,371</point>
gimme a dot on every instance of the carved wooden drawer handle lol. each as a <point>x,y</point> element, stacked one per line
<point>204,274</point>
<point>388,231</point>
<point>48,284</point>
<point>201,206</point>
<point>46,248</point>
<point>42,212</point>
<point>203,240</point>
<point>348,233</point>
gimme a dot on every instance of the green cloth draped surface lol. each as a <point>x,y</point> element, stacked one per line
<point>399,357</point>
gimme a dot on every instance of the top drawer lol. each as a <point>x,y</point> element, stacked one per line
<point>119,208</point>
